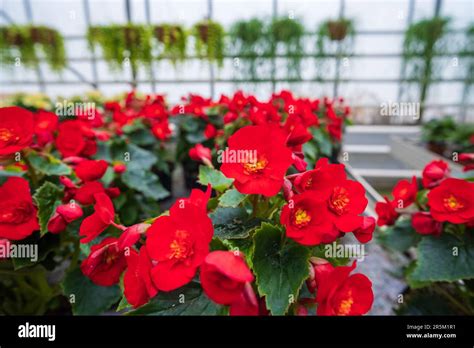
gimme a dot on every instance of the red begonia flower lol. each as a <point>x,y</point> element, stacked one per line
<point>404,192</point>
<point>200,153</point>
<point>102,217</point>
<point>76,138</point>
<point>223,276</point>
<point>45,124</point>
<point>137,282</point>
<point>91,170</point>
<point>17,213</point>
<point>132,234</point>
<point>210,131</point>
<point>345,198</point>
<point>364,233</point>
<point>179,242</point>
<point>265,163</point>
<point>105,263</point>
<point>85,193</point>
<point>64,214</point>
<point>322,178</point>
<point>435,172</point>
<point>307,219</point>
<point>319,268</point>
<point>344,294</point>
<point>16,129</point>
<point>423,223</point>
<point>247,303</point>
<point>387,215</point>
<point>452,201</point>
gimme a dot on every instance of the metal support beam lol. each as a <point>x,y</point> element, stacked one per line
<point>148,21</point>
<point>274,17</point>
<point>39,72</point>
<point>87,17</point>
<point>342,7</point>
<point>212,76</point>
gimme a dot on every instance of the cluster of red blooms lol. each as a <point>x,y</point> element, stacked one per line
<point>151,109</point>
<point>448,200</point>
<point>322,203</point>
<point>301,115</point>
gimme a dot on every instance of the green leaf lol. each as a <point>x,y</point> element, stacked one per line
<point>414,284</point>
<point>214,177</point>
<point>231,223</point>
<point>48,165</point>
<point>425,302</point>
<point>140,158</point>
<point>123,304</point>
<point>188,300</point>
<point>47,198</point>
<point>445,258</point>
<point>231,198</point>
<point>145,182</point>
<point>399,237</point>
<point>280,268</point>
<point>89,298</point>
<point>323,141</point>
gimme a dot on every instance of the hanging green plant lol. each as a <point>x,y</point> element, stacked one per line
<point>333,37</point>
<point>25,44</point>
<point>248,42</point>
<point>122,45</point>
<point>423,41</point>
<point>209,41</point>
<point>288,33</point>
<point>172,39</point>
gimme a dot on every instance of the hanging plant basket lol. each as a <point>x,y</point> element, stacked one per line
<point>27,40</point>
<point>173,41</point>
<point>121,42</point>
<point>338,29</point>
<point>209,41</point>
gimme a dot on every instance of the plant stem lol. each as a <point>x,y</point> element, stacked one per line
<point>31,171</point>
<point>454,302</point>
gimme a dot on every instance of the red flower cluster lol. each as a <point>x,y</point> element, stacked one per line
<point>338,292</point>
<point>180,241</point>
<point>448,200</point>
<point>326,203</point>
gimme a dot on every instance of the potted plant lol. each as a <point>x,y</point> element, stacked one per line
<point>122,44</point>
<point>333,37</point>
<point>430,223</point>
<point>288,34</point>
<point>27,40</point>
<point>209,41</point>
<point>248,42</point>
<point>436,133</point>
<point>173,40</point>
<point>423,40</point>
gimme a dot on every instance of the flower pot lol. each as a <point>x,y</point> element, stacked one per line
<point>174,32</point>
<point>337,30</point>
<point>436,147</point>
<point>203,30</point>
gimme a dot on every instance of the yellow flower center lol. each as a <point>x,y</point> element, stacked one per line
<point>256,166</point>
<point>346,305</point>
<point>180,247</point>
<point>301,218</point>
<point>339,200</point>
<point>6,135</point>
<point>452,203</point>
